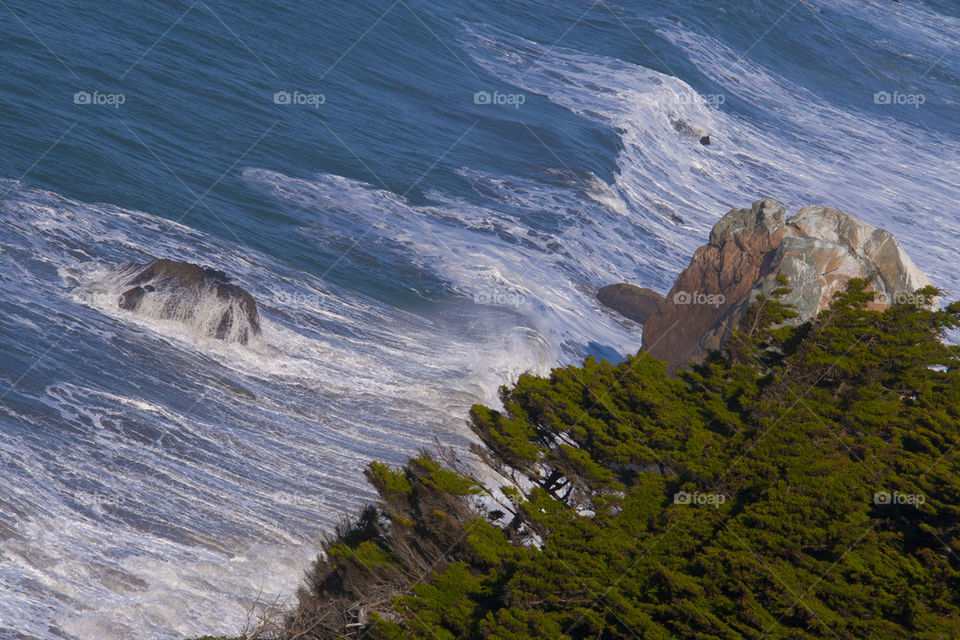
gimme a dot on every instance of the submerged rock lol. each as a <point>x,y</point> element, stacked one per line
<point>631,301</point>
<point>131,299</point>
<point>691,131</point>
<point>201,297</point>
<point>819,249</point>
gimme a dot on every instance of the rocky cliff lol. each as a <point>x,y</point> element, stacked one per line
<point>818,249</point>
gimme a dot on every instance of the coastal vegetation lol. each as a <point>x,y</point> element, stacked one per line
<point>804,482</point>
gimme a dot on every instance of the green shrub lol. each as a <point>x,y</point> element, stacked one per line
<point>801,484</point>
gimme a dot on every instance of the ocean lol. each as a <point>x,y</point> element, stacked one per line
<point>423,198</point>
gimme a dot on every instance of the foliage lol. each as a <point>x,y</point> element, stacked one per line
<point>802,484</point>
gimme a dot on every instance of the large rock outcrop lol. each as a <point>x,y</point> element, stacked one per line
<point>819,249</point>
<point>199,297</point>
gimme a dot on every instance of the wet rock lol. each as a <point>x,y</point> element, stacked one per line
<point>198,296</point>
<point>685,128</point>
<point>631,301</point>
<point>131,298</point>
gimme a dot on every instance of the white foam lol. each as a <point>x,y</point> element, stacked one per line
<point>155,493</point>
<point>485,254</point>
<point>806,151</point>
<point>165,476</point>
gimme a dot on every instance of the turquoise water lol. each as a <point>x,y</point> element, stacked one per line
<point>422,197</point>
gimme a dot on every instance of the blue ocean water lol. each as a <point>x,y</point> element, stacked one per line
<point>423,198</point>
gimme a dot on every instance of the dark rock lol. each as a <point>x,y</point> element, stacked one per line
<point>131,298</point>
<point>200,296</point>
<point>685,128</point>
<point>633,302</point>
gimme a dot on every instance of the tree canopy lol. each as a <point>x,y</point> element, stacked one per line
<point>803,483</point>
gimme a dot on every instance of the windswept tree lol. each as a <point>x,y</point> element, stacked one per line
<point>803,483</point>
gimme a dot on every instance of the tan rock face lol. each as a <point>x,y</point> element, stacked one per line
<point>819,249</point>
